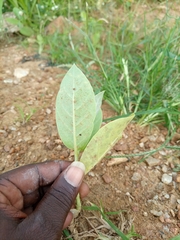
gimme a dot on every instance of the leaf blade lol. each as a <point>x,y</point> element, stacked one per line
<point>102,141</point>
<point>75,109</point>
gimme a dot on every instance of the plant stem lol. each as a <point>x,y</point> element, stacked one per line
<point>78,200</point>
<point>78,203</point>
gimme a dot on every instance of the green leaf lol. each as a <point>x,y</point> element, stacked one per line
<point>13,21</point>
<point>75,109</point>
<point>99,116</point>
<point>97,123</point>
<point>102,141</point>
<point>98,99</point>
<point>26,31</point>
<point>17,12</point>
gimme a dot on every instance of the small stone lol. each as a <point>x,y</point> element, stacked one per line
<point>156,213</point>
<point>59,147</point>
<point>152,161</point>
<point>107,178</point>
<point>42,140</point>
<point>18,124</point>
<point>152,138</point>
<point>91,174</point>
<point>50,145</point>
<point>173,201</point>
<point>21,72</point>
<point>167,179</point>
<point>164,169</point>
<point>177,179</point>
<point>48,111</point>
<point>166,215</point>
<point>172,213</point>
<point>145,214</point>
<point>156,197</point>
<point>12,128</point>
<point>136,177</point>
<point>7,147</point>
<point>115,161</point>
<point>161,218</point>
<point>163,153</point>
<point>178,201</point>
<point>65,153</point>
<point>167,196</point>
<point>12,150</point>
<point>57,141</point>
<point>141,144</point>
<point>27,138</point>
<point>10,81</point>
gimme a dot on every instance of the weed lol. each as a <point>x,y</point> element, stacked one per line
<point>105,217</point>
<point>25,117</point>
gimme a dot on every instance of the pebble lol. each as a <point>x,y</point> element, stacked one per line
<point>136,177</point>
<point>152,161</point>
<point>12,128</point>
<point>107,178</point>
<point>91,174</point>
<point>18,124</point>
<point>141,144</point>
<point>167,179</point>
<point>21,72</point>
<point>156,213</point>
<point>161,218</point>
<point>8,81</point>
<point>27,138</point>
<point>167,196</point>
<point>50,145</point>
<point>115,161</point>
<point>173,201</point>
<point>145,214</point>
<point>7,147</point>
<point>48,111</point>
<point>59,147</point>
<point>164,169</point>
<point>177,179</point>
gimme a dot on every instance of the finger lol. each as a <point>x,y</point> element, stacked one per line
<point>83,190</point>
<point>50,215</point>
<point>68,220</point>
<point>24,182</point>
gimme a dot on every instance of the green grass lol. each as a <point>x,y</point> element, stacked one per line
<point>137,59</point>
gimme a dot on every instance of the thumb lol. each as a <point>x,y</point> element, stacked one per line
<point>47,221</point>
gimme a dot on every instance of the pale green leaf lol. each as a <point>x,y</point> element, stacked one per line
<point>99,116</point>
<point>26,31</point>
<point>97,122</point>
<point>98,99</point>
<point>75,109</point>
<point>13,21</point>
<point>103,141</point>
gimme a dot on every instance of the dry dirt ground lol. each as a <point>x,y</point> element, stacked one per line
<point>148,193</point>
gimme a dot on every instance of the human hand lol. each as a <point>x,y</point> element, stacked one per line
<point>35,200</point>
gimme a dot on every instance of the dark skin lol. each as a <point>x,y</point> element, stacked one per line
<point>35,200</point>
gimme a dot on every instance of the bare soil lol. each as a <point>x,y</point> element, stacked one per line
<point>28,134</point>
